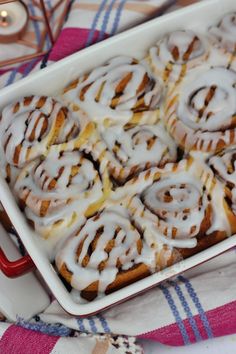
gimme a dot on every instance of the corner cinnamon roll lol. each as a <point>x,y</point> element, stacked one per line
<point>177,53</point>
<point>30,126</point>
<point>223,37</point>
<point>107,253</point>
<point>223,165</point>
<point>200,113</point>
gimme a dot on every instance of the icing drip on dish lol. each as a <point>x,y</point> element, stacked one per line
<point>176,53</point>
<point>30,126</point>
<point>201,113</point>
<point>115,91</point>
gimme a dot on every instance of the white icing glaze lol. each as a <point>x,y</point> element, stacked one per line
<point>222,105</point>
<point>172,200</point>
<point>224,165</point>
<point>7,171</point>
<point>68,182</point>
<point>171,210</point>
<point>95,93</point>
<point>201,111</point>
<point>137,148</point>
<point>27,131</point>
<point>176,50</point>
<point>113,225</point>
<point>225,32</point>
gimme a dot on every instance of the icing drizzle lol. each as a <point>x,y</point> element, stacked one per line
<point>177,52</point>
<point>225,33</point>
<point>175,205</point>
<point>201,113</point>
<point>58,190</point>
<point>31,125</point>
<point>115,91</point>
<point>138,148</point>
<point>107,245</point>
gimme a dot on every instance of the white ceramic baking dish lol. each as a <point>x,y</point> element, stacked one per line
<point>51,81</point>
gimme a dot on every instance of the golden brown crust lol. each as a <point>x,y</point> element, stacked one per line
<point>203,242</point>
<point>123,279</point>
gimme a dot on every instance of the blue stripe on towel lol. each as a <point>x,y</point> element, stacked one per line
<point>92,325</point>
<point>29,66</point>
<point>106,20</point>
<point>81,324</point>
<point>198,305</point>
<point>118,16</point>
<point>187,310</point>
<point>104,323</point>
<point>44,61</point>
<point>176,314</point>
<point>35,24</point>
<point>56,329</point>
<point>94,24</point>
<point>11,77</point>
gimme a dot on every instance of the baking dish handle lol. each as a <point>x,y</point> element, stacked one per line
<point>13,269</point>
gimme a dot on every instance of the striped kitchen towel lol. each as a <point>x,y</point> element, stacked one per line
<point>17,340</point>
<point>201,304</point>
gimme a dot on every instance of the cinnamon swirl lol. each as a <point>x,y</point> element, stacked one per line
<point>181,206</point>
<point>107,253</point>
<point>223,165</point>
<point>223,38</point>
<point>121,91</point>
<point>30,126</point>
<point>200,113</point>
<point>130,150</point>
<point>177,53</point>
<point>58,192</point>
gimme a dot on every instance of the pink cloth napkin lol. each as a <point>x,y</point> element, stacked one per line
<point>199,305</point>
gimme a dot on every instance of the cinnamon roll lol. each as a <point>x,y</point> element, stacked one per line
<point>30,126</point>
<point>223,165</point>
<point>107,253</point>
<point>137,148</point>
<point>223,38</point>
<point>177,53</point>
<point>59,191</point>
<point>120,91</point>
<point>200,113</point>
<point>8,171</point>
<point>181,206</point>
